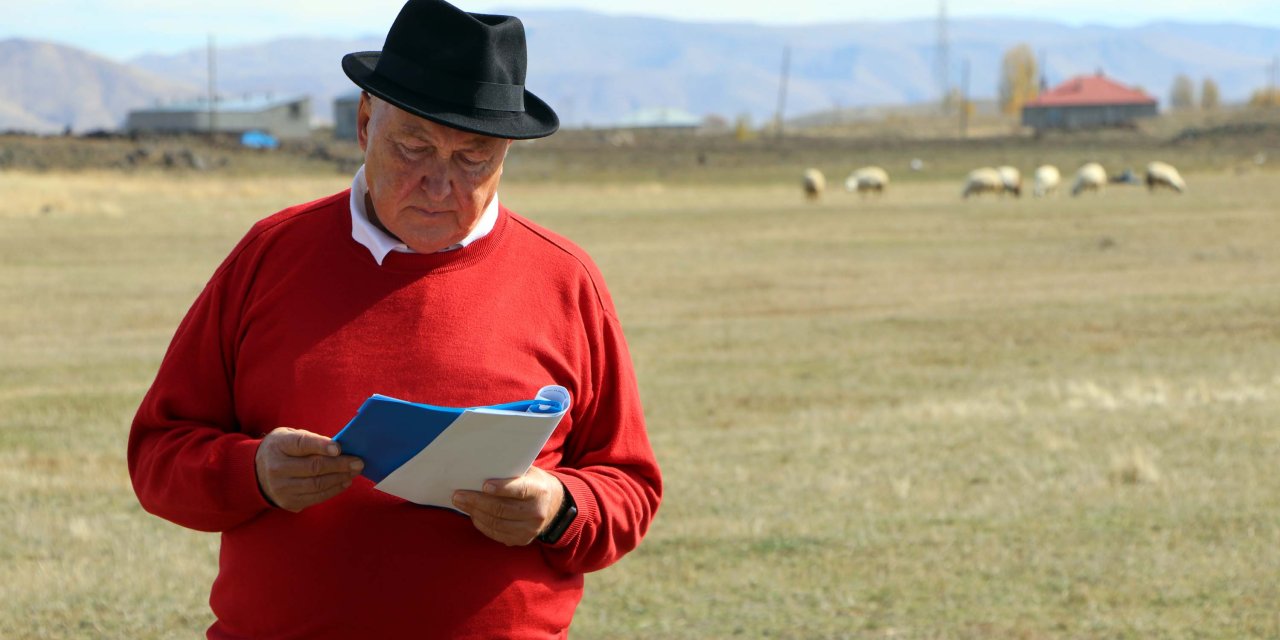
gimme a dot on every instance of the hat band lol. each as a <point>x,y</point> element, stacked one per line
<point>450,88</point>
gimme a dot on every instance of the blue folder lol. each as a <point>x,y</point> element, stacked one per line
<point>387,432</point>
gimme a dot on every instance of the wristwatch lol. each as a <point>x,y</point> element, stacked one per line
<point>559,524</point>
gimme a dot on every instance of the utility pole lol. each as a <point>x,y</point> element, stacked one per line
<point>213,94</point>
<point>1042,65</point>
<point>964,99</point>
<point>943,62</point>
<point>782,87</point>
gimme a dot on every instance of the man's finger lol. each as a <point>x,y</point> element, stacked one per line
<point>517,488</point>
<point>316,498</point>
<point>508,532</point>
<point>306,467</point>
<point>495,508</point>
<point>296,442</point>
<point>297,487</point>
<point>500,509</point>
<point>296,503</point>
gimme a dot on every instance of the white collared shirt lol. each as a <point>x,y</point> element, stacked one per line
<point>380,243</point>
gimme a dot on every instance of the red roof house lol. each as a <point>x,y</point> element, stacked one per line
<point>1088,101</point>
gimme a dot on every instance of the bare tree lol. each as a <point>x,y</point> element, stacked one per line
<point>1209,98</point>
<point>1183,93</point>
<point>1019,80</point>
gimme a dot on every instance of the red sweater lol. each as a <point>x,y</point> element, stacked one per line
<point>296,328</point>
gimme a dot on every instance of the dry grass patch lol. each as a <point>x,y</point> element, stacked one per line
<point>911,416</point>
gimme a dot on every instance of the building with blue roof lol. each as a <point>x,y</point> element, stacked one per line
<point>285,118</point>
<point>659,118</point>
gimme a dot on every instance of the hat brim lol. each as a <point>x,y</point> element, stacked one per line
<point>537,120</point>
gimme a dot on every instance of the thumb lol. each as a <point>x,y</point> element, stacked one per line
<point>296,442</point>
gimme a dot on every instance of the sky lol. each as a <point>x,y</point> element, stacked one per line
<point>122,29</point>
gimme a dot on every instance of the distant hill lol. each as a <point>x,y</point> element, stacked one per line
<point>596,69</point>
<point>46,87</point>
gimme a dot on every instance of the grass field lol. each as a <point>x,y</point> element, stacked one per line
<point>909,417</point>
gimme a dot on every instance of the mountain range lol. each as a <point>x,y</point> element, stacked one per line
<point>597,69</point>
<point>46,88</point>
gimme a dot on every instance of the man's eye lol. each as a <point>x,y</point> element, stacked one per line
<point>473,163</point>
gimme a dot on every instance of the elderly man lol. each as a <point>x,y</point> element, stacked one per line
<point>416,283</point>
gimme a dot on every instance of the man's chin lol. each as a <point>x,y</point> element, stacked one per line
<point>430,244</point>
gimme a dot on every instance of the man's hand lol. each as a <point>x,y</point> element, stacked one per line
<point>297,468</point>
<point>513,511</point>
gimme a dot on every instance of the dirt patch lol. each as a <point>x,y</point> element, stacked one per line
<point>171,153</point>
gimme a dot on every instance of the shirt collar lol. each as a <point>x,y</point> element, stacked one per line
<point>380,243</point>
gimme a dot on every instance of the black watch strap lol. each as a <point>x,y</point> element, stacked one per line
<point>559,524</point>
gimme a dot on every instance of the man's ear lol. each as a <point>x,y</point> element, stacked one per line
<point>364,113</point>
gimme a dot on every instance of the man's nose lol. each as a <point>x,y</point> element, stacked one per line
<point>435,182</point>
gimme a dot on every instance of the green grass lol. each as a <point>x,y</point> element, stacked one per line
<point>912,416</point>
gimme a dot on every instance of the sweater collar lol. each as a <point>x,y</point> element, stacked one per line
<point>380,243</point>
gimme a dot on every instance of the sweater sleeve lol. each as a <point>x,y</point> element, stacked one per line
<point>187,459</point>
<point>609,467</point>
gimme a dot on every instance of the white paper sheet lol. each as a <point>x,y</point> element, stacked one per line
<point>481,444</point>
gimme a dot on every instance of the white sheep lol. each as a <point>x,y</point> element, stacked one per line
<point>1091,177</point>
<point>1160,174</point>
<point>1012,179</point>
<point>983,180</point>
<point>1047,179</point>
<point>814,184</point>
<point>867,179</point>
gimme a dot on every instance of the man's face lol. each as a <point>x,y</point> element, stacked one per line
<point>428,183</point>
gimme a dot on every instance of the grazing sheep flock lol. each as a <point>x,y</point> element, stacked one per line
<point>814,184</point>
<point>1047,178</point>
<point>1090,177</point>
<point>1160,174</point>
<point>867,179</point>
<point>1004,179</point>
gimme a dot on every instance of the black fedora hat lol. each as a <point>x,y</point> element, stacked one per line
<point>462,70</point>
